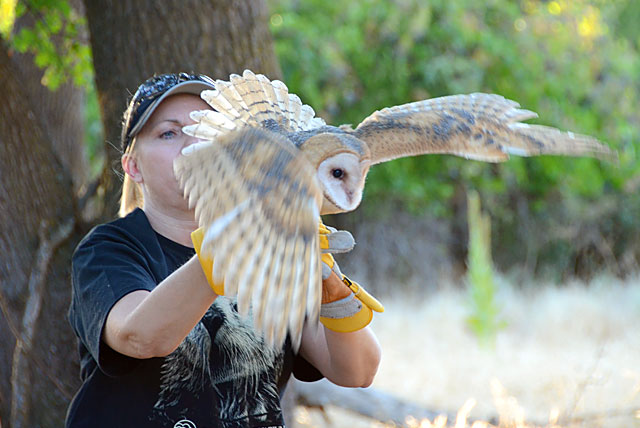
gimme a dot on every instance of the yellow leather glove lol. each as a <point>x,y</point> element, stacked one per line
<point>333,241</point>
<point>206,263</point>
<point>344,308</point>
<point>348,306</point>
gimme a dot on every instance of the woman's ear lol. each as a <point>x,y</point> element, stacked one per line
<point>130,167</point>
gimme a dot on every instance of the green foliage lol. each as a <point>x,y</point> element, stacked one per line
<point>484,319</point>
<point>574,62</point>
<point>54,38</point>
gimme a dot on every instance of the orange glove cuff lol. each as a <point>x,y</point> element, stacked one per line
<point>359,319</point>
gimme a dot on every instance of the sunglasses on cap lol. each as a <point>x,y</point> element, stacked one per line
<point>151,93</point>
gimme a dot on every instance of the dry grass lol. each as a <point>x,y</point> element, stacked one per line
<point>570,356</point>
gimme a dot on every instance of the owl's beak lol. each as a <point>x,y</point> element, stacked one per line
<point>349,194</point>
<point>353,197</point>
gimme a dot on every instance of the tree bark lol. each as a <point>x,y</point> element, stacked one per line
<point>132,40</point>
<point>60,112</point>
<point>37,356</point>
<point>41,157</point>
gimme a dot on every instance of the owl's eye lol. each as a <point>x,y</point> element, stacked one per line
<point>337,173</point>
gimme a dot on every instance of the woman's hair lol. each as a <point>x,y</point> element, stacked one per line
<point>140,108</point>
<point>131,197</point>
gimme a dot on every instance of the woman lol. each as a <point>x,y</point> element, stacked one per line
<point>158,347</point>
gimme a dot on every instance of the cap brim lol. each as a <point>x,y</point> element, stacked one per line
<point>191,87</point>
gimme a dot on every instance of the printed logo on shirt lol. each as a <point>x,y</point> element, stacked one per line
<point>225,374</point>
<point>185,423</point>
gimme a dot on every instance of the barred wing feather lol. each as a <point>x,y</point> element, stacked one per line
<point>258,200</point>
<point>483,127</point>
<point>251,100</point>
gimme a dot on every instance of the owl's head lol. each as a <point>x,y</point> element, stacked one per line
<point>342,162</point>
<point>342,178</point>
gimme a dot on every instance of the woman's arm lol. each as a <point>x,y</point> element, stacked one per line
<point>147,324</point>
<point>346,359</point>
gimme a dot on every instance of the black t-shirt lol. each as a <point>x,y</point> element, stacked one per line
<point>221,375</point>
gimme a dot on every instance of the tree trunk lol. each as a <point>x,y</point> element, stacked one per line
<point>132,40</point>
<point>60,112</point>
<point>41,160</point>
<point>37,358</point>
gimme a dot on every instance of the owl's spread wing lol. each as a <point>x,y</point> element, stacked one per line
<point>477,126</point>
<point>258,200</point>
<point>251,100</point>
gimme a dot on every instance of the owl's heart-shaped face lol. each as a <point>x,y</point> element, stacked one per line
<point>342,179</point>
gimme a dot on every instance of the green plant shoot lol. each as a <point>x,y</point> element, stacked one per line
<point>484,318</point>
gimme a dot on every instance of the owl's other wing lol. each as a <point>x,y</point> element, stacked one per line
<point>258,200</point>
<point>476,126</point>
<point>251,100</point>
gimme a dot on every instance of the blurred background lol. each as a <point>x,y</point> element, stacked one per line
<point>574,63</point>
<point>499,270</point>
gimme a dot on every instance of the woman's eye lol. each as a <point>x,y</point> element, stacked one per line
<point>168,134</point>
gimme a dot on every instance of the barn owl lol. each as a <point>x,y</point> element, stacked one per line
<point>266,168</point>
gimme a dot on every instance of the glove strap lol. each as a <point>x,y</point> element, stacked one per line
<point>363,295</point>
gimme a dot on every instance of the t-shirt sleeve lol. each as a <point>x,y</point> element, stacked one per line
<point>106,266</point>
<point>304,370</point>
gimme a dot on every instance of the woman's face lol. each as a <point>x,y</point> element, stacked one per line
<point>159,142</point>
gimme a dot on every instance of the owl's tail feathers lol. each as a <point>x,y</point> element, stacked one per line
<point>254,100</point>
<point>537,140</point>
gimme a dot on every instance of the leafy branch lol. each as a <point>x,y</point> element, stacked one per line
<point>54,35</point>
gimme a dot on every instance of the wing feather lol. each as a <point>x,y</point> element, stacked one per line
<point>282,95</point>
<point>257,278</point>
<point>247,271</point>
<point>271,94</point>
<point>240,251</point>
<point>251,100</point>
<point>314,294</point>
<point>476,126</point>
<point>228,91</point>
<point>262,278</point>
<point>258,199</point>
<point>295,294</point>
<point>270,301</point>
<point>282,292</point>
